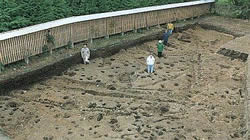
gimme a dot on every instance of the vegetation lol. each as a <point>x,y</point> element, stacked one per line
<point>16,14</point>
<point>234,8</point>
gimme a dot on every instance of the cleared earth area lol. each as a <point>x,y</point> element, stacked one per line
<point>194,93</point>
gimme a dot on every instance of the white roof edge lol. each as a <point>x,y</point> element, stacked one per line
<point>74,19</point>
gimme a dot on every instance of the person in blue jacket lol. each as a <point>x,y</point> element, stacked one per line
<point>165,38</point>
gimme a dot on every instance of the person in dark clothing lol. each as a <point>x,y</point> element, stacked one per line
<point>165,38</point>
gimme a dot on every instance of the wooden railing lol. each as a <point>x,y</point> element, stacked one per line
<point>17,44</point>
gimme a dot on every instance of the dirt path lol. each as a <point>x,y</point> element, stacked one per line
<point>194,94</point>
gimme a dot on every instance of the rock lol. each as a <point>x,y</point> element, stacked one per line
<point>12,104</point>
<point>71,74</point>
<point>110,87</point>
<point>158,127</point>
<point>113,121</point>
<point>66,115</point>
<point>83,93</point>
<point>92,105</point>
<point>97,126</point>
<point>11,113</point>
<point>137,117</point>
<point>66,97</point>
<point>235,135</point>
<point>164,109</point>
<point>48,138</point>
<point>160,133</point>
<point>70,132</point>
<point>138,129</point>
<point>118,105</point>
<point>89,78</point>
<point>68,105</point>
<point>99,117</point>
<point>37,120</point>
<point>23,91</point>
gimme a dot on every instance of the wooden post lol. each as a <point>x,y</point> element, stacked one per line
<point>135,29</point>
<point>71,36</point>
<point>158,20</point>
<point>26,59</point>
<point>72,44</point>
<point>122,30</point>
<point>1,67</point>
<point>107,27</point>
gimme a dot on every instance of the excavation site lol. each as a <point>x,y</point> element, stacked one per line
<point>197,92</point>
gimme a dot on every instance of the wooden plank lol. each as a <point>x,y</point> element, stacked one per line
<point>1,51</point>
<point>152,18</point>
<point>114,25</point>
<point>9,51</point>
<point>80,31</point>
<point>4,52</point>
<point>140,21</point>
<point>128,23</point>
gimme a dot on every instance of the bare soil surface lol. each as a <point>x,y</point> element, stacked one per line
<point>236,27</point>
<point>193,94</point>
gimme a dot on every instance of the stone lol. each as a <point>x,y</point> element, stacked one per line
<point>92,105</point>
<point>48,138</point>
<point>113,121</point>
<point>66,97</point>
<point>99,117</point>
<point>164,109</point>
<point>37,120</point>
<point>66,115</point>
<point>12,104</point>
<point>23,92</point>
<point>110,87</point>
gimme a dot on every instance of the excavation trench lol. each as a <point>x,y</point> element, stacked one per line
<point>195,93</point>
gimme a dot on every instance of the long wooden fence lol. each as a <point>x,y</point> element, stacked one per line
<point>17,44</point>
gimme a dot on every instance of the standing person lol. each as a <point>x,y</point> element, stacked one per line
<point>150,63</point>
<point>85,53</point>
<point>165,37</point>
<point>160,47</point>
<point>170,28</point>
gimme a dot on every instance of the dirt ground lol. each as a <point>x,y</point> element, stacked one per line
<point>193,94</point>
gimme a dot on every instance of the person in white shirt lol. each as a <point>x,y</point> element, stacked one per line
<point>85,53</point>
<point>150,62</point>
